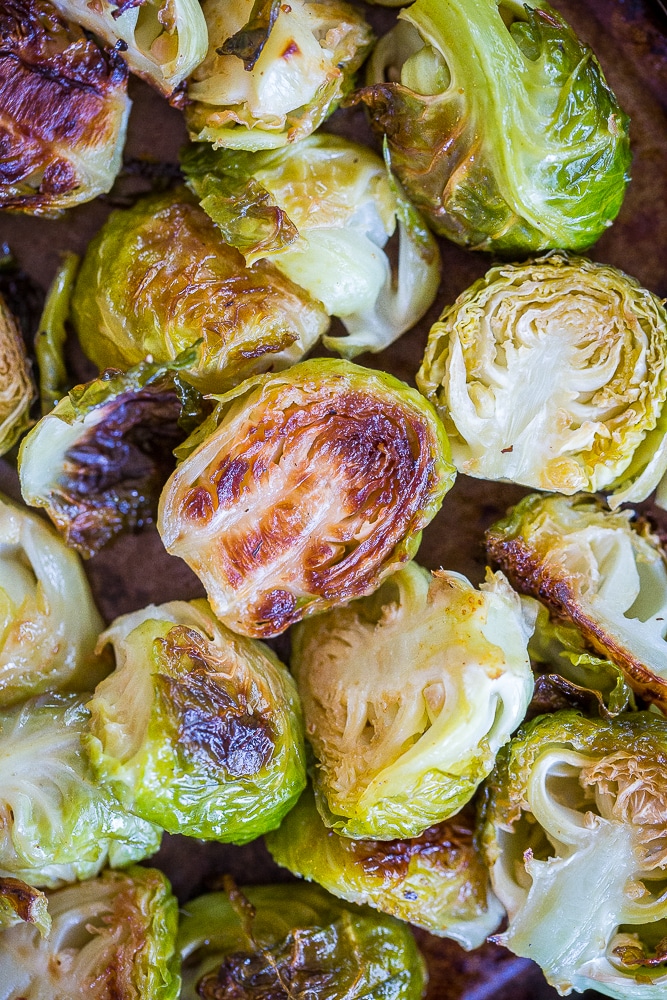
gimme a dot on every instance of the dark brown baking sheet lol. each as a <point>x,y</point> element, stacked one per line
<point>628,38</point>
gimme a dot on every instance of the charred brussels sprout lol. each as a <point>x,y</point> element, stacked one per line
<point>198,729</point>
<point>553,374</point>
<point>295,940</point>
<point>407,696</point>
<point>63,111</point>
<point>574,834</point>
<point>56,823</point>
<point>304,489</point>
<point>274,71</point>
<point>437,880</point>
<point>598,570</point>
<point>112,936</point>
<point>322,211</point>
<point>16,387</point>
<point>501,126</point>
<point>49,624</point>
<point>20,903</point>
<point>158,277</point>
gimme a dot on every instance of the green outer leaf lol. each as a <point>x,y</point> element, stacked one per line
<point>248,43</point>
<point>20,903</point>
<point>52,334</point>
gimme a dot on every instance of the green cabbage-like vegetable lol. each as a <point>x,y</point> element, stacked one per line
<point>21,903</point>
<point>158,277</point>
<point>303,490</point>
<point>407,696</point>
<point>598,570</point>
<point>574,833</point>
<point>16,386</point>
<point>501,126</point>
<point>198,729</point>
<point>56,823</point>
<point>437,880</point>
<point>111,937</point>
<point>49,625</point>
<point>273,71</point>
<point>295,941</point>
<point>553,374</point>
<point>322,211</point>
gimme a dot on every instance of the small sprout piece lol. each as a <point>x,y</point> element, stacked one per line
<point>158,277</point>
<point>112,936</point>
<point>271,940</point>
<point>198,729</point>
<point>56,823</point>
<point>574,832</point>
<point>437,880</point>
<point>553,374</point>
<point>63,111</point>
<point>274,71</point>
<point>598,570</point>
<point>52,334</point>
<point>501,126</point>
<point>322,211</point>
<point>407,696</point>
<point>303,490</point>
<point>49,624</point>
<point>16,386</point>
<point>20,903</point>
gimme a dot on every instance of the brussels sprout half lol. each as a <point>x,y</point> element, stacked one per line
<point>158,277</point>
<point>56,823</point>
<point>295,940</point>
<point>198,729</point>
<point>16,386</point>
<point>574,832</point>
<point>273,71</point>
<point>322,211</point>
<point>437,880</point>
<point>502,128</point>
<point>111,937</point>
<point>553,374</point>
<point>304,489</point>
<point>63,111</point>
<point>597,570</point>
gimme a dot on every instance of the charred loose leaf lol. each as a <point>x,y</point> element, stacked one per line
<point>63,111</point>
<point>303,490</point>
<point>16,385</point>
<point>21,903</point>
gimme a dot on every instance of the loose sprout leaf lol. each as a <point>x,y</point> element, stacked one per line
<point>250,40</point>
<point>52,334</point>
<point>16,385</point>
<point>21,903</point>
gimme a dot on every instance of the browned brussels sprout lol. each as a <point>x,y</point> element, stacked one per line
<point>16,386</point>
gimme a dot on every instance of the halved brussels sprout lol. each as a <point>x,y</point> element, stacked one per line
<point>16,387</point>
<point>437,880</point>
<point>574,832</point>
<point>198,729</point>
<point>111,937</point>
<point>273,71</point>
<point>63,111</point>
<point>501,125</point>
<point>158,277</point>
<point>322,211</point>
<point>49,625</point>
<point>600,571</point>
<point>56,823</point>
<point>553,374</point>
<point>407,696</point>
<point>304,489</point>
<point>161,40</point>
<point>98,461</point>
<point>21,903</point>
<point>295,940</point>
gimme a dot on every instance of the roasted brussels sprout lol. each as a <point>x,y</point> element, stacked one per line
<point>49,624</point>
<point>274,71</point>
<point>322,211</point>
<point>407,696</point>
<point>501,127</point>
<point>112,937</point>
<point>161,40</point>
<point>574,834</point>
<point>98,461</point>
<point>437,880</point>
<point>198,729</point>
<point>295,940</point>
<point>597,570</point>
<point>16,387</point>
<point>553,374</point>
<point>158,277</point>
<point>304,489</point>
<point>21,903</point>
<point>63,111</point>
<point>56,823</point>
